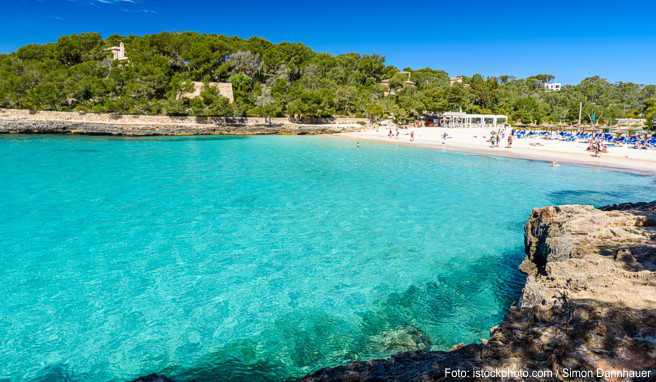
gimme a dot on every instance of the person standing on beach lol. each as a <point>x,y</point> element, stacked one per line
<point>412,136</point>
<point>510,140</point>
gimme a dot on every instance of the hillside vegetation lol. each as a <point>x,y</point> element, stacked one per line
<point>77,73</point>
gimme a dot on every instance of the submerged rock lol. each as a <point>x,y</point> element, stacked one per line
<point>153,378</point>
<point>589,305</point>
<point>403,339</point>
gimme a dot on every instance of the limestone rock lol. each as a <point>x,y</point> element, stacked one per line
<point>407,338</point>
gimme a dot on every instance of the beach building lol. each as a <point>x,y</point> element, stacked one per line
<point>630,122</point>
<point>464,120</point>
<point>461,120</point>
<point>428,120</point>
<point>553,86</point>
<point>118,52</point>
<point>224,89</point>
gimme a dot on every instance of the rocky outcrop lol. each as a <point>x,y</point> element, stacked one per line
<point>587,311</point>
<point>84,128</point>
<point>47,122</point>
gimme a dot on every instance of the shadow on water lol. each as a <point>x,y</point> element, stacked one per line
<point>55,373</point>
<point>465,298</point>
<point>205,138</point>
<point>596,198</point>
<point>226,365</point>
<point>82,151</point>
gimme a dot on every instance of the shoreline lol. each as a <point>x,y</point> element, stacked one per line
<point>637,166</point>
<point>13,121</point>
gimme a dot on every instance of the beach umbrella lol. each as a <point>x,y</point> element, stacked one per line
<point>594,118</point>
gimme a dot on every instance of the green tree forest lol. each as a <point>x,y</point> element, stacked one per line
<point>77,73</point>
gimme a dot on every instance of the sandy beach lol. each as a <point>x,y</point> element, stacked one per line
<point>476,140</point>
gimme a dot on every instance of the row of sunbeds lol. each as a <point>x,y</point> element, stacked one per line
<point>638,141</point>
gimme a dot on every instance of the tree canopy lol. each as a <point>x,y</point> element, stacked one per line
<point>77,73</point>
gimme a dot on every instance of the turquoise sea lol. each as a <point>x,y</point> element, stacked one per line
<point>258,258</point>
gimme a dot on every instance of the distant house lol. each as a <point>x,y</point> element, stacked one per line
<point>387,90</point>
<point>553,86</point>
<point>408,82</point>
<point>455,80</point>
<point>118,52</point>
<point>224,89</point>
<point>386,87</point>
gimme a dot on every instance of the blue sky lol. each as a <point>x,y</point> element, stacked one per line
<point>569,39</point>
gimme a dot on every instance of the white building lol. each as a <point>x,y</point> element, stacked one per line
<point>460,119</point>
<point>118,52</point>
<point>631,122</point>
<point>553,86</point>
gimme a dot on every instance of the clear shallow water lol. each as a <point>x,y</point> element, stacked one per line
<point>258,258</point>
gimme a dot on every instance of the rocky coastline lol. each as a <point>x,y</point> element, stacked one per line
<point>46,122</point>
<point>587,311</point>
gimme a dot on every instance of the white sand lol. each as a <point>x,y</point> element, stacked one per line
<point>476,140</point>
